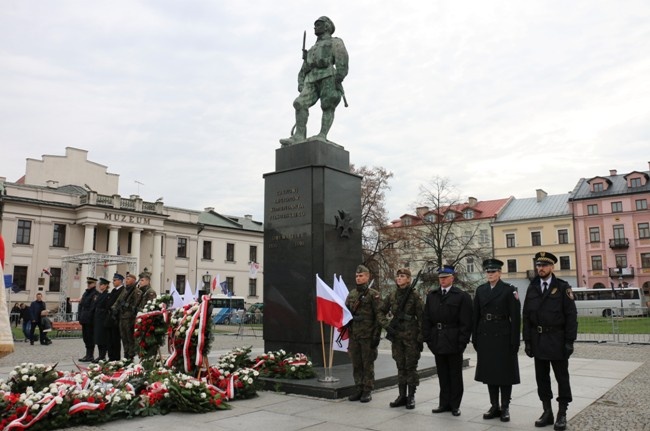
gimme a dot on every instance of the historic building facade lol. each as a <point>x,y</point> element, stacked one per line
<point>64,220</point>
<point>612,226</point>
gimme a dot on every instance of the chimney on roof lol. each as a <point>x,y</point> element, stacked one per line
<point>612,172</point>
<point>541,194</point>
<point>472,201</point>
<point>209,209</point>
<point>248,216</point>
<point>421,211</point>
<point>52,184</point>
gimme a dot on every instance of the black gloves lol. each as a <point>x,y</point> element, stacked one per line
<point>515,349</point>
<point>528,349</point>
<point>568,348</point>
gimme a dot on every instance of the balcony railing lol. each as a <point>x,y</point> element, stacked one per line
<point>621,272</point>
<point>619,243</point>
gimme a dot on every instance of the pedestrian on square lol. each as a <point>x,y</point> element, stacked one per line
<point>405,334</point>
<point>495,338</point>
<point>36,311</point>
<point>550,327</point>
<point>26,316</point>
<point>447,328</point>
<point>365,304</point>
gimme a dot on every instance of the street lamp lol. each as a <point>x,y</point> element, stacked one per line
<point>206,282</point>
<point>620,293</point>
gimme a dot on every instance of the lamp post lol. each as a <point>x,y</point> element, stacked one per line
<point>206,282</point>
<point>620,293</point>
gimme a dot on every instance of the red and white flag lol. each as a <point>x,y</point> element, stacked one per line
<point>328,305</point>
<point>341,339</point>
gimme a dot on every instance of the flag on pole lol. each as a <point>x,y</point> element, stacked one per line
<point>341,336</point>
<point>178,299</point>
<point>224,288</point>
<point>214,284</point>
<point>328,307</point>
<point>252,270</point>
<point>188,296</point>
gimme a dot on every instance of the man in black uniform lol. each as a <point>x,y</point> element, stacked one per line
<point>446,328</point>
<point>496,338</point>
<point>86,304</point>
<point>549,330</point>
<point>112,323</point>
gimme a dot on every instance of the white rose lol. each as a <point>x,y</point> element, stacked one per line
<point>24,371</point>
<point>293,368</point>
<point>203,395</point>
<point>25,377</point>
<point>13,373</point>
<point>255,373</point>
<point>32,378</point>
<point>250,381</point>
<point>58,399</point>
<point>29,403</point>
<point>36,406</point>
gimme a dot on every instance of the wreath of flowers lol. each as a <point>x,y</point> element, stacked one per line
<point>151,329</point>
<point>283,365</point>
<point>191,336</point>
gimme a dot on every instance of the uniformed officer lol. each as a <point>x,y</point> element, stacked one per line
<point>148,293</point>
<point>323,70</point>
<point>112,323</point>
<point>365,304</point>
<point>549,330</point>
<point>496,338</point>
<point>127,303</point>
<point>404,331</point>
<point>86,318</point>
<point>100,314</point>
<point>446,328</point>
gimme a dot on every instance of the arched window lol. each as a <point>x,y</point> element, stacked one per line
<point>599,286</point>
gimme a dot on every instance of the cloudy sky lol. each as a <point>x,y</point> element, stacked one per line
<point>189,98</point>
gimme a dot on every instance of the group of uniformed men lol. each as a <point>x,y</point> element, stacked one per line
<point>449,319</point>
<point>107,317</point>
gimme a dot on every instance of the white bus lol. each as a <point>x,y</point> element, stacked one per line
<point>626,301</point>
<point>226,309</point>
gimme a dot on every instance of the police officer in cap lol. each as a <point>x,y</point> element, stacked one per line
<point>496,338</point>
<point>446,328</point>
<point>549,330</point>
<point>86,306</point>
<point>366,305</point>
<point>112,323</point>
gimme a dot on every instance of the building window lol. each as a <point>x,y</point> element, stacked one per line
<point>565,262</point>
<point>536,238</point>
<point>598,187</point>
<point>621,260</point>
<point>230,284</point>
<point>617,207</point>
<point>483,237</point>
<point>563,236</point>
<point>429,218</point>
<point>55,280</point>
<point>20,277</point>
<point>644,230</point>
<point>180,283</point>
<point>512,265</point>
<point>252,287</point>
<point>592,209</point>
<point>24,232</point>
<point>94,239</point>
<point>468,214</point>
<point>596,263</point>
<point>641,204</point>
<point>469,264</point>
<point>129,242</point>
<point>406,221</point>
<point>181,250</point>
<point>230,252</point>
<point>207,250</point>
<point>58,236</point>
<point>594,234</point>
<point>645,260</point>
<point>510,240</point>
<point>635,182</point>
<point>619,231</point>
<point>252,253</point>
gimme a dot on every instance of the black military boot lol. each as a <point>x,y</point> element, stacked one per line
<point>505,413</point>
<point>410,400</point>
<point>560,423</point>
<point>355,396</point>
<point>401,398</point>
<point>494,411</point>
<point>88,357</point>
<point>366,397</point>
<point>547,416</point>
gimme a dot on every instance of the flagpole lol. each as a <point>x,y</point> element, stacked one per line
<point>322,344</point>
<point>331,347</point>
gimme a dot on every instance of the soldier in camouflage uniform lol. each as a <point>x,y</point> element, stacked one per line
<point>406,306</point>
<point>127,306</point>
<point>365,332</point>
<point>145,288</point>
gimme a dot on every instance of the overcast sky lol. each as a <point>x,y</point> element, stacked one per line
<point>189,98</point>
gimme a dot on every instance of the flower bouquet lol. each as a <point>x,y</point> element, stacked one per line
<point>283,365</point>
<point>151,329</point>
<point>191,336</point>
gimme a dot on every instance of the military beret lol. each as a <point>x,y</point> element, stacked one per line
<point>129,275</point>
<point>405,271</point>
<point>145,275</point>
<point>446,271</point>
<point>545,258</point>
<point>362,269</point>
<point>492,265</point>
<point>91,280</point>
<point>118,276</point>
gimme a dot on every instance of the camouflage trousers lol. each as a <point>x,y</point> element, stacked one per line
<point>128,339</point>
<point>363,357</point>
<point>406,353</point>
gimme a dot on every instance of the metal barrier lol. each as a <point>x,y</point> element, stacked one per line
<point>621,325</point>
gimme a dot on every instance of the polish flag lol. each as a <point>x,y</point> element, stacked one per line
<point>341,291</point>
<point>328,305</point>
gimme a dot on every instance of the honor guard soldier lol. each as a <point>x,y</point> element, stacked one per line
<point>365,333</point>
<point>496,338</point>
<point>86,304</point>
<point>127,305</point>
<point>549,330</point>
<point>112,325</point>
<point>447,328</point>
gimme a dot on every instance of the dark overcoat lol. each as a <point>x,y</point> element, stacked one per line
<point>86,306</point>
<point>100,315</point>
<point>550,319</point>
<point>496,333</point>
<point>447,321</point>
